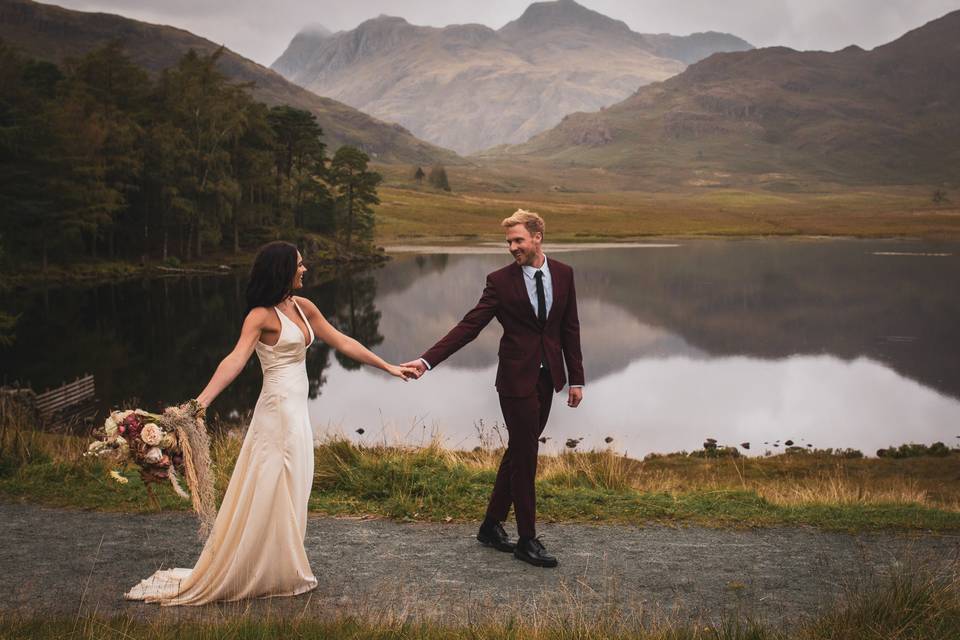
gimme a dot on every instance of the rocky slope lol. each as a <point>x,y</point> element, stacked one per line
<point>469,87</point>
<point>888,115</point>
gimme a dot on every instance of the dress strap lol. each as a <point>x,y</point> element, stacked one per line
<point>309,328</point>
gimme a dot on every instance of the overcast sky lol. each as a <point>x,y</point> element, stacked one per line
<point>262,29</point>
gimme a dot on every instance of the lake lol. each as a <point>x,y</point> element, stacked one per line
<point>829,343</point>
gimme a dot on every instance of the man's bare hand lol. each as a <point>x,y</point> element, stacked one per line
<point>417,365</point>
<point>576,396</point>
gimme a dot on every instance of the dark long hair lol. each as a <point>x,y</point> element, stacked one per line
<point>271,276</point>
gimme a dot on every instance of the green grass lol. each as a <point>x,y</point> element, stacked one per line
<point>582,204</point>
<point>919,603</point>
<point>434,484</point>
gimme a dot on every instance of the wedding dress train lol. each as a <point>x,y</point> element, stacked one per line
<point>255,548</point>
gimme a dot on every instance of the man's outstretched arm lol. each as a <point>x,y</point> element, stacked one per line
<point>462,334</point>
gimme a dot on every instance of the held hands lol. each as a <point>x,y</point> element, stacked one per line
<point>575,397</point>
<point>417,365</point>
<point>404,372</point>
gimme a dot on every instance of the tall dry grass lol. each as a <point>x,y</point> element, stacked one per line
<point>786,479</point>
<point>432,479</point>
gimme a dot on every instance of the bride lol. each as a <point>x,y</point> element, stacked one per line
<point>255,548</point>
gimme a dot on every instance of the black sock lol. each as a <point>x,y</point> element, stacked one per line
<point>489,523</point>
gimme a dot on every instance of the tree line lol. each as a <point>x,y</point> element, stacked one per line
<point>98,158</point>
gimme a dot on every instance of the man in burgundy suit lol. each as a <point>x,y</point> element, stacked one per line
<point>535,301</point>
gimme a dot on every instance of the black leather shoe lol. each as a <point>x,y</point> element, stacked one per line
<point>494,536</point>
<point>533,552</point>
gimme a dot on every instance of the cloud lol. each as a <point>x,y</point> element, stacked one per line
<point>261,31</point>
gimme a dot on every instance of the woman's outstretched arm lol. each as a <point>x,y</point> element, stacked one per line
<point>231,366</point>
<point>347,345</point>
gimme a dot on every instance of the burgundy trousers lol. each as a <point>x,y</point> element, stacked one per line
<point>525,417</point>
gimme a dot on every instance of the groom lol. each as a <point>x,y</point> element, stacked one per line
<point>535,301</point>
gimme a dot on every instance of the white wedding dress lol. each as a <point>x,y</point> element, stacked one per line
<point>255,548</point>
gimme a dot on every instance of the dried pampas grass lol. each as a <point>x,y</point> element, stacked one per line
<point>195,444</point>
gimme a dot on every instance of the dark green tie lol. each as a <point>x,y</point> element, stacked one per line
<point>541,299</point>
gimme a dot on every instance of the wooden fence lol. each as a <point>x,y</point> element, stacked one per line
<point>69,404</point>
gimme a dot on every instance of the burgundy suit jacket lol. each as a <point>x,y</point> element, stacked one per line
<point>525,343</point>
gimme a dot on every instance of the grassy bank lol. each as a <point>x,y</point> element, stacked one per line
<point>584,205</point>
<point>922,603</point>
<point>435,484</point>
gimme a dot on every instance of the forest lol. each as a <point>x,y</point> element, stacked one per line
<point>99,159</point>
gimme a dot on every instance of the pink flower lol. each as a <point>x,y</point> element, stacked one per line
<point>151,434</point>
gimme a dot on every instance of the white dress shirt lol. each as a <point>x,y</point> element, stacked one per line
<point>530,280</point>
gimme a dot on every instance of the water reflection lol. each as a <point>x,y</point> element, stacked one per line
<point>156,342</point>
<point>665,404</point>
<point>838,343</point>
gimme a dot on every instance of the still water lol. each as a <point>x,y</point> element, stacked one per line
<point>834,343</point>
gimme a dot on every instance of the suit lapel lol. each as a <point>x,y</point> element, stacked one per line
<point>555,282</point>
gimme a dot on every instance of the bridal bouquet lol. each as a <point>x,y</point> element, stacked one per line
<point>166,447</point>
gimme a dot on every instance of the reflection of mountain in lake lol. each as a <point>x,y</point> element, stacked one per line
<point>661,404</point>
<point>158,341</point>
<point>768,299</point>
<point>413,317</point>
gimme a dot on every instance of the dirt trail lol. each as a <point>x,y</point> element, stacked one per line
<point>64,562</point>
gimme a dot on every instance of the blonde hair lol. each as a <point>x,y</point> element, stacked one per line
<point>532,221</point>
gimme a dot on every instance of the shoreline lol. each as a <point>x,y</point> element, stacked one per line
<point>465,244</point>
<point>114,271</point>
<point>827,490</point>
<point>93,273</point>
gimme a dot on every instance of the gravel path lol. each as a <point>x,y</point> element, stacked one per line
<point>61,562</point>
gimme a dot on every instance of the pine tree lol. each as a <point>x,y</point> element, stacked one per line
<point>356,189</point>
<point>299,155</point>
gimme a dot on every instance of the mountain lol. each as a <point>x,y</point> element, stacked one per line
<point>888,115</point>
<point>469,87</point>
<point>53,33</point>
<point>696,46</point>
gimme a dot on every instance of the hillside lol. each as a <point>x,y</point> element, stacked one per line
<point>53,33</point>
<point>469,87</point>
<point>783,117</point>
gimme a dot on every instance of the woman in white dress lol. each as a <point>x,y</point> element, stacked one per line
<point>255,548</point>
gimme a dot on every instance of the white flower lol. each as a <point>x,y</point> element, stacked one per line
<point>168,441</point>
<point>119,478</point>
<point>110,427</point>
<point>120,415</point>
<point>96,448</point>
<point>151,434</point>
<point>153,455</point>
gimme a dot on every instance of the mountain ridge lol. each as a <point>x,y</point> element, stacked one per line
<point>882,115</point>
<point>50,32</point>
<point>470,87</point>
